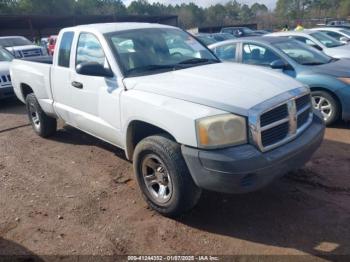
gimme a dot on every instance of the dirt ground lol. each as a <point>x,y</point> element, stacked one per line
<point>75,195</point>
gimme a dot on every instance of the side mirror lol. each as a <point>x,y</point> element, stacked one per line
<point>278,64</point>
<point>317,47</point>
<point>93,69</point>
<point>344,39</point>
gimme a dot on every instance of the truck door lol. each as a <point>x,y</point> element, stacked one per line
<point>94,99</point>
<point>61,76</point>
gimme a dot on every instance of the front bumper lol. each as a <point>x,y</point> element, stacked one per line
<point>6,92</point>
<point>244,169</point>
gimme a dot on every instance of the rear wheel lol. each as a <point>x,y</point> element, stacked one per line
<point>327,105</point>
<point>42,124</point>
<point>163,176</point>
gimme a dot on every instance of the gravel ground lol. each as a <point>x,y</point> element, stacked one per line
<point>75,195</point>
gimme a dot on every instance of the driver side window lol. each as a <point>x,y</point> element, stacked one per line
<point>89,49</point>
<point>226,52</point>
<point>258,55</point>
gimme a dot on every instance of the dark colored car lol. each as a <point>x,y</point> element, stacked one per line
<point>240,31</point>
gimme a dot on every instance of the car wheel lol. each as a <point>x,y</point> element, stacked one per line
<point>42,124</point>
<point>163,176</point>
<point>327,105</point>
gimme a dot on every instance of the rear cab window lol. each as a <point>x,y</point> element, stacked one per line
<point>64,50</point>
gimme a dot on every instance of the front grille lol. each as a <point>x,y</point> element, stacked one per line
<point>274,115</point>
<point>303,118</point>
<point>274,135</point>
<point>302,102</point>
<point>5,80</point>
<point>31,52</point>
<point>284,122</point>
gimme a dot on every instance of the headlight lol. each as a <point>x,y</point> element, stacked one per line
<point>221,130</point>
<point>345,80</point>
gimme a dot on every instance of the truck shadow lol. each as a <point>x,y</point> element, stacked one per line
<point>11,251</point>
<point>301,211</point>
<point>73,136</point>
<point>12,106</point>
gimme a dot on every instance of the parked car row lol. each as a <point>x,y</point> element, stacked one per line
<point>318,57</point>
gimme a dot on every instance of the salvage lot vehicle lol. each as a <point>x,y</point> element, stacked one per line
<point>340,34</point>
<point>6,89</point>
<point>318,40</point>
<point>240,31</point>
<point>21,47</point>
<point>184,129</point>
<point>328,78</point>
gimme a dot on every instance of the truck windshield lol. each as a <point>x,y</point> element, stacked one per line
<point>5,56</point>
<point>14,41</point>
<point>155,50</point>
<point>302,53</point>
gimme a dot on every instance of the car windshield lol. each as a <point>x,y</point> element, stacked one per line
<point>302,53</point>
<point>326,40</point>
<point>222,37</point>
<point>5,56</point>
<point>155,50</point>
<point>247,30</point>
<point>14,41</point>
<point>207,39</point>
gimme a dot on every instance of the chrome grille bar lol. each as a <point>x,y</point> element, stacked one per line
<point>298,104</point>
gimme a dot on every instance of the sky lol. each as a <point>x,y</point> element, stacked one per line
<point>269,3</point>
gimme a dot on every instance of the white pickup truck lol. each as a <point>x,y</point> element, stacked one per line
<point>187,121</point>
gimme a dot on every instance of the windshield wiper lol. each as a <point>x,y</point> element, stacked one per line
<point>150,68</point>
<point>194,61</point>
<point>314,63</point>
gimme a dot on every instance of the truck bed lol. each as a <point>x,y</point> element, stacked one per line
<point>33,73</point>
<point>40,59</point>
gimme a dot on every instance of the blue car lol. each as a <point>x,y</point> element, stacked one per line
<point>328,78</point>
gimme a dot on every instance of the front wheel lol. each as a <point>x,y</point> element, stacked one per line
<point>163,176</point>
<point>42,124</point>
<point>327,105</point>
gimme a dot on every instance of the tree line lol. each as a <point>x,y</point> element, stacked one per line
<point>190,15</point>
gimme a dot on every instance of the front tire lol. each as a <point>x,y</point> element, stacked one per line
<point>42,124</point>
<point>327,105</point>
<point>163,176</point>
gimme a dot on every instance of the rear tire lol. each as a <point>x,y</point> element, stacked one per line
<point>327,105</point>
<point>42,124</point>
<point>163,176</point>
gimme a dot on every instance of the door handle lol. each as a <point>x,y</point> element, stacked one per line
<point>77,85</point>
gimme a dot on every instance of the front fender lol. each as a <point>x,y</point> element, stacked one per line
<point>175,116</point>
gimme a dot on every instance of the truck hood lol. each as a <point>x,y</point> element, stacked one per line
<point>230,87</point>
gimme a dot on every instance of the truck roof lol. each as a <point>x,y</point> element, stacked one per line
<point>105,28</point>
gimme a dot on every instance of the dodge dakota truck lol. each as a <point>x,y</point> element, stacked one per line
<point>187,121</point>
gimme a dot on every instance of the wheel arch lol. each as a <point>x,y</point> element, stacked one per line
<point>25,90</point>
<point>138,130</point>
